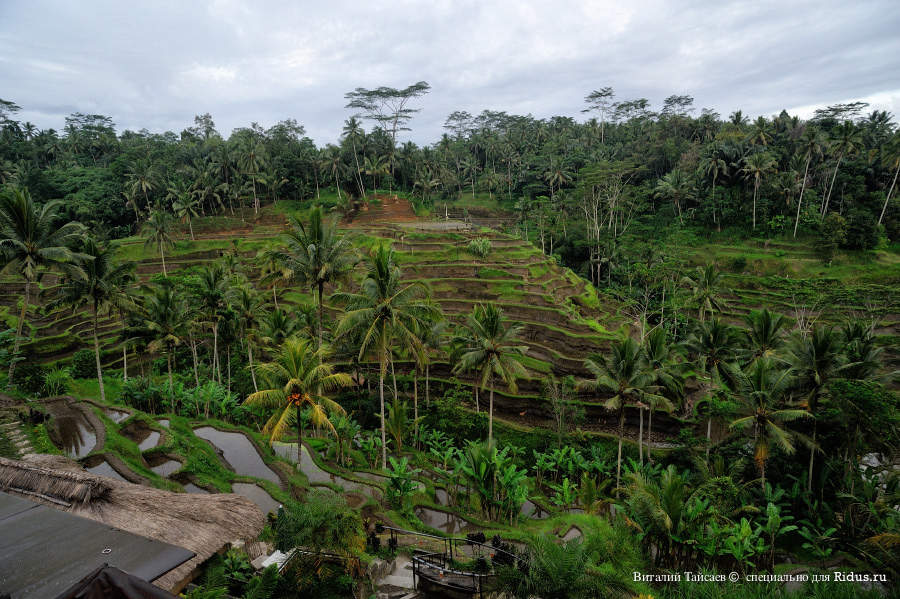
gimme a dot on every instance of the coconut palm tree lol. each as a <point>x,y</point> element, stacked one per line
<point>862,354</point>
<point>673,186</point>
<point>31,240</point>
<point>492,349</point>
<point>764,334</point>
<point>276,326</point>
<point>251,161</point>
<point>248,304</point>
<point>757,166</point>
<point>391,314</point>
<point>101,282</point>
<point>713,166</point>
<point>315,255</point>
<point>143,179</point>
<point>760,393</point>
<point>666,373</point>
<point>815,360</point>
<point>845,141</point>
<point>184,206</point>
<point>812,143</point>
<point>705,286</point>
<point>624,374</point>
<point>210,303</point>
<point>166,318</point>
<point>715,345</point>
<point>157,231</point>
<point>298,378</point>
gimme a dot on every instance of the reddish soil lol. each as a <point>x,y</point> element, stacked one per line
<point>391,210</point>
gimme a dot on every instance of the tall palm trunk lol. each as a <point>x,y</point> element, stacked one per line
<point>887,198</point>
<point>427,396</point>
<point>320,286</point>
<point>491,411</point>
<point>708,436</point>
<point>812,455</point>
<point>641,435</point>
<point>191,227</point>
<point>381,399</point>
<point>802,188</point>
<point>19,327</point>
<point>619,455</point>
<point>124,363</point>
<point>250,360</point>
<point>97,358</point>
<point>299,435</point>
<point>831,187</point>
<point>416,406</point>
<point>649,433</point>
<point>755,193</point>
<point>217,369</point>
<point>162,255</point>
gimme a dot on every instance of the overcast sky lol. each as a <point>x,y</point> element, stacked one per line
<point>155,64</point>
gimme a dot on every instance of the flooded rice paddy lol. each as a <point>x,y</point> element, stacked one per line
<point>239,452</point>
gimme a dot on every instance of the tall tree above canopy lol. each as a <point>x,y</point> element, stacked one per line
<point>387,106</point>
<point>600,100</point>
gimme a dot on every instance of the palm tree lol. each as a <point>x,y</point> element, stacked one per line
<point>335,165</point>
<point>760,393</point>
<point>31,240</point>
<point>764,334</point>
<point>251,161</point>
<point>492,348</point>
<point>248,305</point>
<point>714,343</point>
<point>674,186</point>
<point>316,255</point>
<point>377,165</point>
<point>143,179</point>
<point>846,140</point>
<point>391,314</point>
<point>185,208</point>
<point>353,132</point>
<point>276,326</point>
<point>894,160</point>
<point>815,360</point>
<point>166,318</point>
<point>100,282</point>
<point>862,354</point>
<point>812,144</point>
<point>756,167</point>
<point>713,166</point>
<point>623,373</point>
<point>661,365</point>
<point>157,231</point>
<point>210,297</point>
<point>298,378</point>
<point>705,284</point>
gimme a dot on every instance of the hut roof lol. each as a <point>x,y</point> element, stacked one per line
<point>202,524</point>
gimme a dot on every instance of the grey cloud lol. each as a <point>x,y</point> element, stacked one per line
<point>156,65</point>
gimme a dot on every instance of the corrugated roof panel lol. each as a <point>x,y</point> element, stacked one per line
<point>43,551</point>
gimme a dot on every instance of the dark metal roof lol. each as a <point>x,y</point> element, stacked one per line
<point>43,551</point>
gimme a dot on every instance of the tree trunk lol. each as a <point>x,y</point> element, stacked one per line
<point>641,435</point>
<point>619,455</point>
<point>491,414</point>
<point>320,286</point>
<point>97,358</point>
<point>274,296</point>
<point>812,455</point>
<point>802,188</point>
<point>124,363</point>
<point>381,399</point>
<point>250,360</point>
<point>649,434</point>
<point>831,187</point>
<point>708,437</point>
<point>195,360</point>
<point>887,198</point>
<point>217,368</point>
<point>755,192</point>
<point>18,340</point>
<point>416,407</point>
<point>162,255</point>
<point>299,435</point>
<point>427,396</point>
<point>228,353</point>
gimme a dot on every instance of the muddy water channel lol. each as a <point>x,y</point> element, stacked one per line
<point>239,452</point>
<point>318,476</point>
<point>116,415</point>
<point>104,469</point>
<point>70,429</point>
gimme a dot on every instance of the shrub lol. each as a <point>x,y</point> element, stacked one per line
<point>143,394</point>
<point>84,364</point>
<point>737,264</point>
<point>29,377</point>
<point>57,381</point>
<point>832,234</point>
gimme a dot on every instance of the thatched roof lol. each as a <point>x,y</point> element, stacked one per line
<point>200,523</point>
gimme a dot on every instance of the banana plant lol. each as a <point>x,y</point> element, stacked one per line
<point>401,483</point>
<point>566,493</point>
<point>744,543</point>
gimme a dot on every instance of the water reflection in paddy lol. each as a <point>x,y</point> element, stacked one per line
<point>257,495</point>
<point>164,422</point>
<point>104,469</point>
<point>192,488</point>
<point>74,433</point>
<point>166,467</point>
<point>441,496</point>
<point>444,521</point>
<point>151,440</point>
<point>239,452</point>
<point>318,476</point>
<point>532,510</point>
<point>116,415</point>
